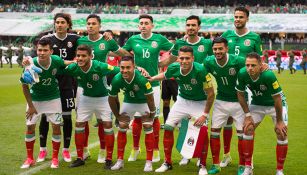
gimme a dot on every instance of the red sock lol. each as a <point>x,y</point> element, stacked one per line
<point>240,150</point>
<point>109,139</point>
<point>281,154</point>
<point>30,140</point>
<point>136,132</point>
<point>227,135</point>
<point>149,143</point>
<point>101,135</point>
<point>121,144</point>
<point>248,149</point>
<point>56,143</point>
<point>215,146</point>
<point>168,142</point>
<point>156,132</point>
<point>79,140</point>
<point>87,132</point>
<point>203,158</point>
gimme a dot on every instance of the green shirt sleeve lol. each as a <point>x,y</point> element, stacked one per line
<point>128,44</point>
<point>115,86</point>
<point>147,86</point>
<point>240,82</point>
<point>166,44</point>
<point>258,45</point>
<point>113,45</point>
<point>175,49</point>
<point>170,71</point>
<point>107,69</point>
<point>273,84</point>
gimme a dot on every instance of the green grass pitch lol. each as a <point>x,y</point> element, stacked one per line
<point>13,153</point>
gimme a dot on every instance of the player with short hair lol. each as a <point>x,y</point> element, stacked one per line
<point>138,97</point>
<point>64,44</point>
<point>291,56</point>
<point>267,99</point>
<point>44,97</point>
<point>196,96</point>
<point>146,47</point>
<point>241,41</point>
<point>224,67</point>
<point>304,60</point>
<point>278,60</point>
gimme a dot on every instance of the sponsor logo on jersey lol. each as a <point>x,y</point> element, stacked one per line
<point>247,42</point>
<point>191,141</point>
<point>136,87</point>
<point>201,48</point>
<point>102,46</point>
<point>193,81</point>
<point>69,44</point>
<point>54,71</point>
<point>95,77</point>
<point>54,46</point>
<point>232,71</point>
<point>263,87</point>
<point>275,85</point>
<point>154,44</point>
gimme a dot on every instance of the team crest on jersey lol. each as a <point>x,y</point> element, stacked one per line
<point>136,87</point>
<point>247,42</point>
<point>69,44</point>
<point>201,48</point>
<point>54,71</point>
<point>263,87</point>
<point>102,46</point>
<point>95,77</point>
<point>154,44</point>
<point>193,81</point>
<point>232,71</point>
<point>191,141</point>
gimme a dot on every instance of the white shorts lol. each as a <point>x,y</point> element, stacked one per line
<point>87,106</point>
<point>52,109</point>
<point>157,96</point>
<point>79,93</point>
<point>221,112</point>
<point>259,112</point>
<point>184,108</point>
<point>132,108</point>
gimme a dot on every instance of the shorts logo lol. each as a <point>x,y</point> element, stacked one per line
<point>191,141</point>
<point>95,77</point>
<point>201,48</point>
<point>136,87</point>
<point>54,71</point>
<point>247,42</point>
<point>102,46</point>
<point>154,44</point>
<point>263,87</point>
<point>69,44</point>
<point>232,71</point>
<point>193,81</point>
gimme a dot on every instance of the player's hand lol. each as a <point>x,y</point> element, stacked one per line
<point>281,129</point>
<point>185,37</point>
<point>143,71</point>
<point>107,36</point>
<point>27,77</point>
<point>26,61</point>
<point>30,112</point>
<point>264,67</point>
<point>200,121</point>
<point>248,125</point>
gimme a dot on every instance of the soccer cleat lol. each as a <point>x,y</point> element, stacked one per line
<point>148,166</point>
<point>164,167</point>
<point>118,165</point>
<point>55,163</point>
<point>240,169</point>
<point>108,164</point>
<point>184,161</point>
<point>66,155</point>
<point>77,162</point>
<point>202,170</point>
<point>86,153</point>
<point>226,160</point>
<point>134,155</point>
<point>42,155</point>
<point>156,156</point>
<point>279,172</point>
<point>29,162</point>
<point>248,170</point>
<point>214,169</point>
<point>101,156</point>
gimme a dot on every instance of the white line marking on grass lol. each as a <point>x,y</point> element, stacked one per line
<point>47,164</point>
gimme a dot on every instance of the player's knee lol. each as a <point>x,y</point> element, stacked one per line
<point>107,125</point>
<point>230,120</point>
<point>31,128</point>
<point>123,125</point>
<point>215,129</point>
<point>147,125</point>
<point>249,130</point>
<point>166,103</point>
<point>80,124</point>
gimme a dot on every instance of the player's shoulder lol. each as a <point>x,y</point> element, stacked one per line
<point>55,58</point>
<point>227,33</point>
<point>180,41</point>
<point>243,71</point>
<point>73,36</point>
<point>49,36</point>
<point>205,40</point>
<point>117,79</point>
<point>198,67</point>
<point>83,38</point>
<point>268,74</point>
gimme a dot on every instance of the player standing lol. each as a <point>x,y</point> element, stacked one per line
<point>304,60</point>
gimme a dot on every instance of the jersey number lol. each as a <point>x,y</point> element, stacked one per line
<point>237,50</point>
<point>146,53</point>
<point>257,93</point>
<point>70,103</point>
<point>46,82</point>
<point>224,80</point>
<point>89,85</point>
<point>63,53</point>
<point>131,93</point>
<point>187,87</point>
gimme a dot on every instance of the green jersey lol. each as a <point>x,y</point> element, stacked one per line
<point>201,49</point>
<point>242,45</point>
<point>93,81</point>
<point>134,91</point>
<point>100,47</point>
<point>226,75</point>
<point>147,51</point>
<point>47,88</point>
<point>191,85</point>
<point>263,88</point>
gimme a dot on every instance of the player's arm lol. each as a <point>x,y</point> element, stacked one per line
<point>158,77</point>
<point>113,105</point>
<point>280,126</point>
<point>167,61</point>
<point>258,46</point>
<point>151,104</point>
<point>121,52</point>
<point>68,62</point>
<point>31,109</point>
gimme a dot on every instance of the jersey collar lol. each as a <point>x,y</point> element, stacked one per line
<point>131,79</point>
<point>60,38</point>
<point>88,68</point>
<point>43,66</point>
<point>94,40</point>
<point>188,72</point>
<point>199,38</point>
<point>241,35</point>
<point>146,38</point>
<point>227,59</point>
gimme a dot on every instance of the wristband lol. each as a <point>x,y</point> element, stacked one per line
<point>205,114</point>
<point>248,114</point>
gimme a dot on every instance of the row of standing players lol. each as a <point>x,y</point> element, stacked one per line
<point>146,47</point>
